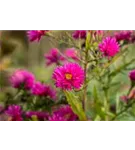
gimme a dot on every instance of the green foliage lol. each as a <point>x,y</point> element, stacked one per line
<point>76,105</point>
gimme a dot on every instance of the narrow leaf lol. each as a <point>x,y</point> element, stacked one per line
<point>76,105</point>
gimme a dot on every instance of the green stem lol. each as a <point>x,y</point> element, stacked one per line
<point>106,104</point>
<point>85,81</point>
<point>127,106</point>
<point>18,94</point>
<point>124,110</point>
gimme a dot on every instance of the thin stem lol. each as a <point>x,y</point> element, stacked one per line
<point>18,94</point>
<point>85,81</point>
<point>124,110</point>
<point>127,106</point>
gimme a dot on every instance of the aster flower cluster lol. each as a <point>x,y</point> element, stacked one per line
<point>63,113</point>
<point>88,57</point>
<point>22,79</point>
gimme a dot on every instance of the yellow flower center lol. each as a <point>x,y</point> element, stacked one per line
<point>68,76</point>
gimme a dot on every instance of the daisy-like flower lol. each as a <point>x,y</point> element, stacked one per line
<point>35,35</point>
<point>79,34</point>
<point>64,113</point>
<point>71,53</point>
<point>53,57</point>
<point>22,78</point>
<point>41,116</point>
<point>109,47</point>
<point>132,75</point>
<point>40,89</point>
<point>14,112</point>
<point>69,76</point>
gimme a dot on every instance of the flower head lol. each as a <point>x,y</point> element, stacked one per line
<point>68,76</point>
<point>35,35</point>
<point>132,75</point>
<point>40,89</point>
<point>71,53</point>
<point>53,57</point>
<point>40,115</point>
<point>64,113</point>
<point>109,47</point>
<point>123,35</point>
<point>14,112</point>
<point>22,78</point>
<point>79,34</point>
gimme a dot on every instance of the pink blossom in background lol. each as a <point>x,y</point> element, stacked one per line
<point>132,75</point>
<point>53,57</point>
<point>35,35</point>
<point>64,113</point>
<point>41,89</point>
<point>79,34</point>
<point>99,32</point>
<point>123,35</point>
<point>40,115</point>
<point>22,78</point>
<point>109,47</point>
<point>69,76</point>
<point>72,53</point>
<point>14,112</point>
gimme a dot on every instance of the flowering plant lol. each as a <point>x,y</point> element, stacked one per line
<point>82,79</point>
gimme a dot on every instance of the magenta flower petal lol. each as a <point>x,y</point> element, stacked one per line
<point>14,111</point>
<point>64,113</point>
<point>53,57</point>
<point>71,53</point>
<point>35,35</point>
<point>69,76</point>
<point>109,47</point>
<point>79,34</point>
<point>22,77</point>
<point>132,75</point>
<point>40,89</point>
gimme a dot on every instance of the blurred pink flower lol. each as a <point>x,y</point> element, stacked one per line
<point>35,35</point>
<point>54,57</point>
<point>99,32</point>
<point>22,78</point>
<point>71,53</point>
<point>123,35</point>
<point>79,34</point>
<point>109,47</point>
<point>40,115</point>
<point>14,112</point>
<point>40,89</point>
<point>64,113</point>
<point>68,76</point>
<point>132,75</point>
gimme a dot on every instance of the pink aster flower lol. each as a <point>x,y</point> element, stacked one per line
<point>64,113</point>
<point>68,76</point>
<point>22,78</point>
<point>109,47</point>
<point>15,113</point>
<point>35,35</point>
<point>79,34</point>
<point>71,53</point>
<point>54,57</point>
<point>41,116</point>
<point>40,89</point>
<point>123,35</point>
<point>132,75</point>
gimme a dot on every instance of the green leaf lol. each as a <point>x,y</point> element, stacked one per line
<point>97,103</point>
<point>76,105</point>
